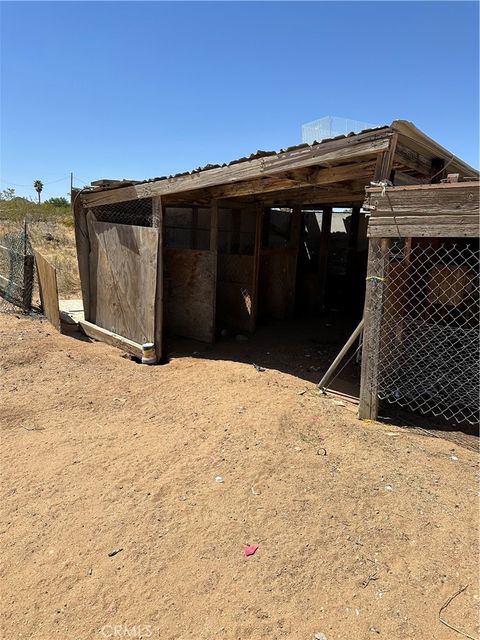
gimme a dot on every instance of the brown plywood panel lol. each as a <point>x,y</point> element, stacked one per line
<point>235,276</point>
<point>189,293</point>
<point>275,283</point>
<point>47,281</point>
<point>123,277</point>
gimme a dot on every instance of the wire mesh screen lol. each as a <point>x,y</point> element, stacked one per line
<point>137,212</point>
<point>429,341</point>
<point>16,269</point>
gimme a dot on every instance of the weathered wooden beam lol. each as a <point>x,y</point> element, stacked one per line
<point>342,353</point>
<point>113,339</point>
<point>413,160</point>
<point>82,244</point>
<point>374,296</point>
<point>361,145</point>
<point>158,223</point>
<point>303,178</point>
<point>443,199</point>
<point>383,168</point>
<point>421,226</point>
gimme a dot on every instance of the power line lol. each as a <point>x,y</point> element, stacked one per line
<point>45,184</point>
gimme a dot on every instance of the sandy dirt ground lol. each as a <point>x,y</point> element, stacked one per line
<point>364,530</point>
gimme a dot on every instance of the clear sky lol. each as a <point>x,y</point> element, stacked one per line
<point>137,90</point>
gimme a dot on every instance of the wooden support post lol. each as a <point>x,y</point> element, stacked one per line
<point>323,254</point>
<point>214,252</point>
<point>256,265</point>
<point>295,235</point>
<point>374,298</point>
<point>383,168</point>
<point>27,288</point>
<point>82,242</point>
<point>157,222</point>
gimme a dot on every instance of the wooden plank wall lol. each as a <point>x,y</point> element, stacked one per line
<point>47,282</point>
<point>189,293</point>
<point>123,279</point>
<point>235,291</point>
<point>82,243</point>
<point>276,282</point>
<point>425,211</point>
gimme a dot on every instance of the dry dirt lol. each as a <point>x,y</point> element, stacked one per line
<point>103,454</point>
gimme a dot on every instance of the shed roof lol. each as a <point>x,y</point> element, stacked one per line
<point>326,152</point>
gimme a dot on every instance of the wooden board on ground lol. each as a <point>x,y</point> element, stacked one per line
<point>189,293</point>
<point>102,335</point>
<point>123,279</point>
<point>47,281</point>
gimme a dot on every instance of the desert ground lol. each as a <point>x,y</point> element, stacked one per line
<point>129,493</point>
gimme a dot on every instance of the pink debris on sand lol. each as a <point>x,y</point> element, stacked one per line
<point>249,551</point>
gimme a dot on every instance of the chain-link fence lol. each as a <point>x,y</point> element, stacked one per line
<point>429,331</point>
<point>16,269</point>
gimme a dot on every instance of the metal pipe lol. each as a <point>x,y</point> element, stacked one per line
<point>332,368</point>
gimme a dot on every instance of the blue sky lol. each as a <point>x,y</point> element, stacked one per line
<point>136,90</point>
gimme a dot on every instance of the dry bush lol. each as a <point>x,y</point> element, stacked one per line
<point>56,243</point>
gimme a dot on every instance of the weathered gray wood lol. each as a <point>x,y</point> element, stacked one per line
<point>158,224</point>
<point>410,159</point>
<point>47,281</point>
<point>374,295</point>
<point>384,165</point>
<point>83,249</point>
<point>342,353</point>
<point>402,179</point>
<point>449,226</point>
<point>124,269</point>
<point>113,339</point>
<point>441,199</point>
<point>368,144</point>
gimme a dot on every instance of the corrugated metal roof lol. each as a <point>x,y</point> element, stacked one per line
<point>403,127</point>
<point>105,184</point>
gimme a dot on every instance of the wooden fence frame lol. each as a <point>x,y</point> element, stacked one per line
<point>416,211</point>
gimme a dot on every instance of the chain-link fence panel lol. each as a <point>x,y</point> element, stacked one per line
<point>429,329</point>
<point>17,275</point>
<point>137,212</point>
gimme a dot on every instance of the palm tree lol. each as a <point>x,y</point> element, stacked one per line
<point>38,186</point>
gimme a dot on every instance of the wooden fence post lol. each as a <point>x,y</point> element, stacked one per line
<point>157,222</point>
<point>27,288</point>
<point>374,298</point>
<point>323,254</point>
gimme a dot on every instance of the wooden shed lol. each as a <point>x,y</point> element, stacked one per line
<point>218,248</point>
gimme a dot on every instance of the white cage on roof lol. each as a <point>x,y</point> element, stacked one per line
<point>331,127</point>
